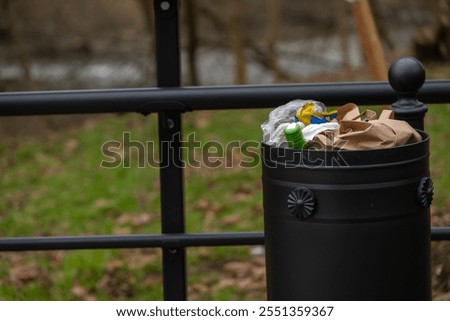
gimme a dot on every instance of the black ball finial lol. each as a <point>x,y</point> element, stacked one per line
<point>406,75</point>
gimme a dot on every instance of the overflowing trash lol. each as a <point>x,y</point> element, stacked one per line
<point>303,124</point>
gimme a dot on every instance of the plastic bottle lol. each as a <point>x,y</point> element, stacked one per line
<point>294,136</point>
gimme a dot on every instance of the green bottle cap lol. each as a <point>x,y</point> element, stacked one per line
<point>294,136</point>
<point>292,128</point>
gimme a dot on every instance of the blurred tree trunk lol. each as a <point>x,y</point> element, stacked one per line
<point>236,36</point>
<point>147,8</point>
<point>273,27</point>
<point>433,41</point>
<point>192,39</point>
<point>384,33</point>
<point>434,7</point>
<point>17,38</point>
<point>443,37</point>
<point>258,53</point>
<point>342,25</point>
<point>369,39</point>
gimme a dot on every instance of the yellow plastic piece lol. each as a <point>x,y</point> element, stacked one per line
<point>304,113</point>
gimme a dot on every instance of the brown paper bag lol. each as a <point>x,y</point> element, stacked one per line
<point>359,131</point>
<point>350,111</point>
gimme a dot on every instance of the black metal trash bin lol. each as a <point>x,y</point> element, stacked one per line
<point>347,225</point>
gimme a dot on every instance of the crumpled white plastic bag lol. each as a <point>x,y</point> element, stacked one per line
<point>273,131</point>
<point>310,131</point>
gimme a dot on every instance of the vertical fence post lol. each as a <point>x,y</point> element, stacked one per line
<point>406,76</point>
<point>171,171</point>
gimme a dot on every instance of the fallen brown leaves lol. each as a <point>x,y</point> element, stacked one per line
<point>233,279</point>
<point>245,280</point>
<point>23,270</point>
<point>440,257</point>
<point>24,273</point>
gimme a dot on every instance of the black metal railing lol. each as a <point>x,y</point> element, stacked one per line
<point>170,101</point>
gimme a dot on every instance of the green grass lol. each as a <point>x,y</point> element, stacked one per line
<point>57,187</point>
<point>437,124</point>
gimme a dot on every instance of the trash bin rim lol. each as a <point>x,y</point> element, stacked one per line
<point>369,158</point>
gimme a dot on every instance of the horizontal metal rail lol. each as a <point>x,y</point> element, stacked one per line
<point>166,241</point>
<point>440,234</point>
<point>183,99</point>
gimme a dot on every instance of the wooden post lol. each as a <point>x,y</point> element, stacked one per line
<point>369,39</point>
